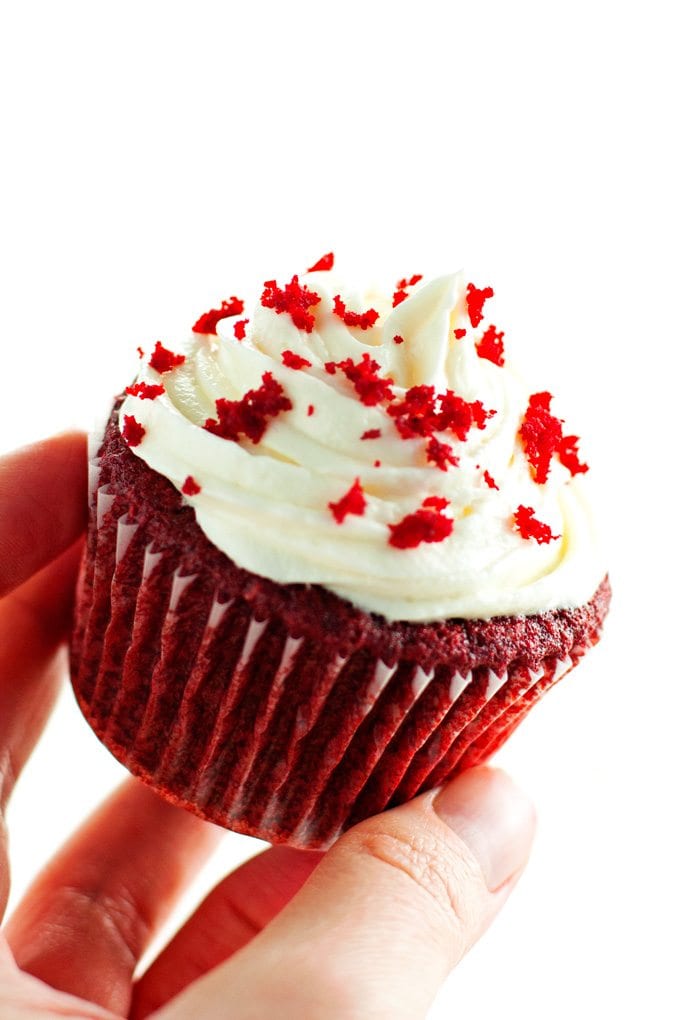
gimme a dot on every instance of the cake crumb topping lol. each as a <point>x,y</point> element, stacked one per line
<point>530,527</point>
<point>207,323</point>
<point>132,432</point>
<point>353,502</point>
<point>292,360</point>
<point>250,415</point>
<point>294,299</point>
<point>372,434</point>
<point>542,438</point>
<point>364,320</point>
<point>441,454</point>
<point>490,481</point>
<point>324,264</point>
<point>402,288</point>
<point>162,360</point>
<point>476,296</point>
<point>145,391</point>
<point>364,375</point>
<point>190,486</point>
<point>491,346</point>
<point>425,525</point>
<point>240,328</point>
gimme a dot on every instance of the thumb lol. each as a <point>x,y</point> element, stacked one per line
<point>388,913</point>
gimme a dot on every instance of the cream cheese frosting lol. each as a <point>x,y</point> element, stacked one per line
<point>267,504</point>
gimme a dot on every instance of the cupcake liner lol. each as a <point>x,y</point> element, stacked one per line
<point>210,694</point>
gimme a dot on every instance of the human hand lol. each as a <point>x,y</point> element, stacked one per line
<point>370,929</point>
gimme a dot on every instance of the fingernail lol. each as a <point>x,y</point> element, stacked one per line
<point>493,817</point>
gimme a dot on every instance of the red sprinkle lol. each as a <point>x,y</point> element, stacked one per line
<point>489,480</point>
<point>364,320</point>
<point>370,386</point>
<point>459,333</point>
<point>436,502</point>
<point>324,263</point>
<point>250,415</point>
<point>424,525</point>
<point>491,346</point>
<point>294,299</point>
<point>191,486</point>
<point>240,329</point>
<point>398,339</point>
<point>164,360</point>
<point>529,527</point>
<point>401,293</point>
<point>541,435</point>
<point>371,434</point>
<point>310,410</point>
<point>475,301</point>
<point>133,432</point>
<point>568,454</point>
<point>441,454</point>
<point>208,321</point>
<point>146,391</point>
<point>293,360</point>
<point>353,502</point>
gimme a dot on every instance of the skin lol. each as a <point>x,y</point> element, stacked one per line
<point>369,929</point>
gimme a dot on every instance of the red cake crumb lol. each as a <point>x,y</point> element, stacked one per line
<point>240,328</point>
<point>401,293</point>
<point>250,415</point>
<point>353,502</point>
<point>476,297</point>
<point>377,463</point>
<point>370,386</point>
<point>310,410</point>
<point>458,415</point>
<point>422,412</point>
<point>489,480</point>
<point>459,333</point>
<point>207,323</point>
<point>441,454</point>
<point>436,502</point>
<point>491,346</point>
<point>294,299</point>
<point>541,435</point>
<point>371,434</point>
<point>398,339</point>
<point>325,263</point>
<point>364,320</point>
<point>145,391</point>
<point>140,352</point>
<point>568,455</point>
<point>424,525</point>
<point>292,360</point>
<point>191,486</point>
<point>529,527</point>
<point>416,413</point>
<point>163,360</point>
<point>133,432</point>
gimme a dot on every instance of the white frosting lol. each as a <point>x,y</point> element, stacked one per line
<point>266,504</point>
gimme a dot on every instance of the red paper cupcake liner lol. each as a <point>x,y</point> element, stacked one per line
<point>289,721</point>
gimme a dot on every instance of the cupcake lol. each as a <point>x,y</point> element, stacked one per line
<point>337,550</point>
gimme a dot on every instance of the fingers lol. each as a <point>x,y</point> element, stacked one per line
<point>34,621</point>
<point>85,922</point>
<point>43,504</point>
<point>236,910</point>
<point>386,915</point>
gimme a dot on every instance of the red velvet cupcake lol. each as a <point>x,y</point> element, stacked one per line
<point>336,552</point>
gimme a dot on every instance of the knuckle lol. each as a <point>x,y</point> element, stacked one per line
<point>432,869</point>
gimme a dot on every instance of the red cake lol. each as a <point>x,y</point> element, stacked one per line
<point>290,695</point>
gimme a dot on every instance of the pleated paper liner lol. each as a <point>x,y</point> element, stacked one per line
<point>226,712</point>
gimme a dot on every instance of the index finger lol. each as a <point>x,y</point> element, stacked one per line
<point>43,489</point>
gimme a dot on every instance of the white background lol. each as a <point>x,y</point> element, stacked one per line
<point>160,156</point>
